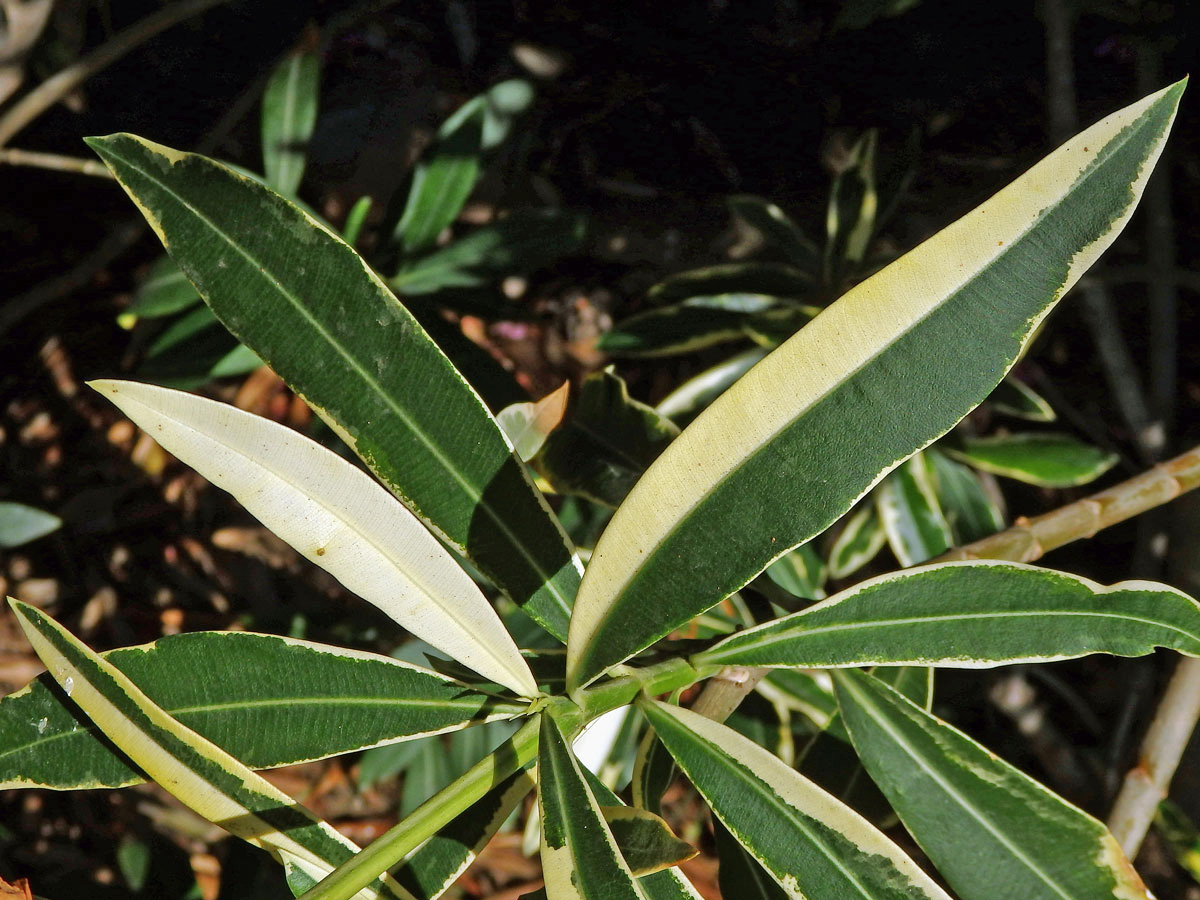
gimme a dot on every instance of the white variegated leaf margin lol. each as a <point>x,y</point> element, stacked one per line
<point>185,783</point>
<point>827,352</point>
<point>335,515</point>
<point>802,795</point>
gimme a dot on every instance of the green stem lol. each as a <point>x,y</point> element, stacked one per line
<point>669,675</point>
<point>427,819</point>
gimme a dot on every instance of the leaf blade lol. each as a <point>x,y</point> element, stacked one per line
<point>334,515</point>
<point>1036,844</point>
<point>1016,613</point>
<point>716,519</point>
<point>270,701</point>
<point>381,382</point>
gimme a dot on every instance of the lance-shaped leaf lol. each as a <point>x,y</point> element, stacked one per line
<point>859,542</point>
<point>881,373</point>
<point>969,508</point>
<point>269,701</point>
<point>911,515</point>
<point>1047,460</point>
<point>694,324</point>
<point>336,515</point>
<point>443,180</point>
<point>815,847</point>
<point>289,115</point>
<point>295,293</point>
<point>1013,397</point>
<point>21,524</point>
<point>970,614</point>
<point>433,868</point>
<point>580,859</point>
<point>196,771</point>
<point>694,395</point>
<point>166,290</point>
<point>739,874</point>
<point>965,805</point>
<point>770,279</point>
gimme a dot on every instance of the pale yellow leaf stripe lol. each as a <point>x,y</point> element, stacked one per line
<point>182,781</point>
<point>335,515</point>
<point>828,351</point>
<point>811,801</point>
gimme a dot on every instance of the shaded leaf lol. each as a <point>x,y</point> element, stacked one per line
<point>911,515</point>
<point>805,433</point>
<point>745,278</point>
<point>968,507</point>
<point>21,524</point>
<point>859,541</point>
<point>289,115</point>
<point>964,804</point>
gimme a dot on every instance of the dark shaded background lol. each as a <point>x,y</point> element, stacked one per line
<point>660,110</point>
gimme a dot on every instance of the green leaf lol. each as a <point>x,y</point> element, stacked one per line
<point>813,846</point>
<point>308,305</point>
<point>970,614</point>
<point>964,804</point>
<point>695,394</point>
<point>355,219</point>
<point>747,278</point>
<point>739,874</point>
<point>859,541</point>
<point>653,772</point>
<point>968,506</point>
<point>238,361</point>
<point>437,864</point>
<point>184,328</point>
<point>1181,836</point>
<point>21,524</point>
<point>666,884</point>
<point>521,242</point>
<point>646,842</point>
<point>428,773</point>
<point>335,515</point>
<point>166,290</point>
<point>806,691</point>
<point>776,228</point>
<point>269,701</point>
<point>801,573</point>
<point>289,114</point>
<point>580,859</point>
<point>911,516</point>
<point>196,771</point>
<point>133,859</point>
<point>684,327</point>
<point>506,101</point>
<point>442,180</point>
<point>605,444</point>
<point>1047,460</point>
<point>1014,397</point>
<point>804,434</point>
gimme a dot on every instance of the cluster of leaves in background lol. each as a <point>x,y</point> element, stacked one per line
<point>782,454</point>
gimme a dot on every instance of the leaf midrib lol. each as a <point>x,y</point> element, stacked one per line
<point>952,617</point>
<point>468,489</point>
<point>877,716</point>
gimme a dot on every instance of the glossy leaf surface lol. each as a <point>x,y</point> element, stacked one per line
<point>970,615</point>
<point>969,508</point>
<point>580,859</point>
<point>910,513</point>
<point>308,305</point>
<point>859,542</point>
<point>269,701</point>
<point>813,846</point>
<point>1047,460</point>
<point>335,515</point>
<point>964,804</point>
<point>805,433</point>
<point>196,771</point>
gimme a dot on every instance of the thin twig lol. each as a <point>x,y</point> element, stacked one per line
<point>1146,783</point>
<point>11,156</point>
<point>57,86</point>
<point>1026,541</point>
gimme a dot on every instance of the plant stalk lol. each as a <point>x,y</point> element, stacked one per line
<point>427,819</point>
<point>12,156</point>
<point>1026,541</point>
